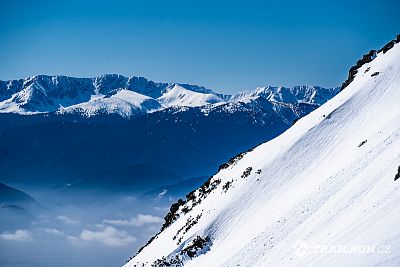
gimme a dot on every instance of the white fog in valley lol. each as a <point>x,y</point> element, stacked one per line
<point>77,231</point>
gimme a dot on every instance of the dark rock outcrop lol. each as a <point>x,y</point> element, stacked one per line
<point>366,59</point>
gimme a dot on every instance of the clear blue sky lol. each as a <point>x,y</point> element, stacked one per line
<point>229,46</point>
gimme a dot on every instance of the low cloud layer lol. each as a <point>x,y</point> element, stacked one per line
<point>18,235</point>
<point>139,220</point>
<point>53,231</point>
<point>67,220</point>
<point>108,236</point>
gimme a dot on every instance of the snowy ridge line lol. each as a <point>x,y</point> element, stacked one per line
<point>180,206</point>
<point>366,59</point>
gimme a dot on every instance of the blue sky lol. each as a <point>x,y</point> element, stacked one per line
<point>229,46</point>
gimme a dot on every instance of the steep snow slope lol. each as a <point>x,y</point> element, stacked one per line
<point>327,181</point>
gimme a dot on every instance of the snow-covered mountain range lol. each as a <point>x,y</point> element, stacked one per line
<point>324,193</point>
<point>116,94</point>
<point>58,126</point>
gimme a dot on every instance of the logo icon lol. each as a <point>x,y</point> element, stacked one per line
<point>300,248</point>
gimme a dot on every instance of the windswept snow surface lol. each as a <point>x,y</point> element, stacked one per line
<point>311,192</point>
